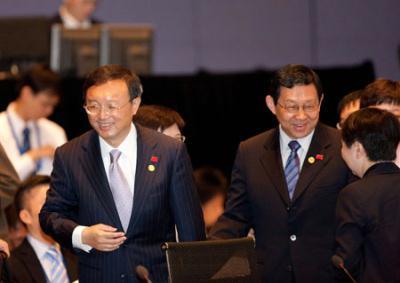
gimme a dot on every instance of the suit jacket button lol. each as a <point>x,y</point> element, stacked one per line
<point>293,238</point>
<point>122,275</point>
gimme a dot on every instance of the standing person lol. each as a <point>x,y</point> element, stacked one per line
<point>383,94</point>
<point>368,230</point>
<point>347,105</point>
<point>118,191</point>
<point>9,182</point>
<point>285,183</point>
<point>74,14</point>
<point>26,134</point>
<point>39,258</point>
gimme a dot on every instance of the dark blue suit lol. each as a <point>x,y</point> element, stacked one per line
<point>80,194</point>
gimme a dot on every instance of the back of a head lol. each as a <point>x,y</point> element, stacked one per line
<point>25,188</point>
<point>108,73</point>
<point>379,92</point>
<point>158,117</point>
<point>40,78</point>
<point>377,130</point>
<point>210,182</point>
<point>294,75</point>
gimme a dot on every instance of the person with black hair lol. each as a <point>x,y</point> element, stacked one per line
<point>368,227</point>
<point>118,191</point>
<point>39,258</point>
<point>347,105</point>
<point>285,183</point>
<point>26,134</point>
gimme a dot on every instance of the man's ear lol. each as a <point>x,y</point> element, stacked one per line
<point>360,150</point>
<point>270,104</point>
<point>26,92</point>
<point>25,216</point>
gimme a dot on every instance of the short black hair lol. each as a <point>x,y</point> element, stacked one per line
<point>210,182</point>
<point>377,130</point>
<point>379,92</point>
<point>27,186</point>
<point>294,75</point>
<point>348,99</point>
<point>40,78</point>
<point>158,117</point>
<point>108,73</point>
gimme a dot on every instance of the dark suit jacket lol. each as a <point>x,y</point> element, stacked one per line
<point>368,232</point>
<point>9,182</point>
<point>80,194</point>
<point>24,265</point>
<point>293,238</point>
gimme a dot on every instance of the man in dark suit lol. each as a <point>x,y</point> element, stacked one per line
<point>118,191</point>
<point>368,231</point>
<point>285,183</point>
<point>32,261</point>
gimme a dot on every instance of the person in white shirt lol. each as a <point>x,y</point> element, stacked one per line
<point>74,14</point>
<point>28,138</point>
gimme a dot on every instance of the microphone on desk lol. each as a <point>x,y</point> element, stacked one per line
<point>142,274</point>
<point>338,262</point>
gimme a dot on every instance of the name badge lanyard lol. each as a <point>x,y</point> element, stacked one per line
<point>20,146</point>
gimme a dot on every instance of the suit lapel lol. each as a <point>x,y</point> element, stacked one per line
<point>272,163</point>
<point>312,163</point>
<point>94,167</point>
<point>145,148</point>
<point>32,262</point>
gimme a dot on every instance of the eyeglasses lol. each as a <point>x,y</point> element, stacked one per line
<point>295,108</point>
<point>110,109</point>
<point>181,138</point>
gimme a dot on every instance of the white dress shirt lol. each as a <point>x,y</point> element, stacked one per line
<point>40,248</point>
<point>284,140</point>
<point>70,22</point>
<point>42,132</point>
<point>127,163</point>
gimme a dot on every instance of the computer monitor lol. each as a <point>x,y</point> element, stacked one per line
<point>129,45</point>
<point>75,52</point>
<point>23,42</point>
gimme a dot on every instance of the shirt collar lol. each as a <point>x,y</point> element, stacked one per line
<point>70,22</point>
<point>126,147</point>
<point>17,122</point>
<point>285,139</point>
<point>40,247</point>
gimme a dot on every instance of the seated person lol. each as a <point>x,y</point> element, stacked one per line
<point>28,137</point>
<point>74,14</point>
<point>212,187</point>
<point>368,227</point>
<point>39,258</point>
<point>16,229</point>
<point>162,119</point>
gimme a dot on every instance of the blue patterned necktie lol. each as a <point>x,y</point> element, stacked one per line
<point>292,168</point>
<point>58,272</point>
<point>26,142</point>
<point>120,190</point>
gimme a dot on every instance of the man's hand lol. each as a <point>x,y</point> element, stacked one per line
<point>41,152</point>
<point>4,247</point>
<point>103,237</point>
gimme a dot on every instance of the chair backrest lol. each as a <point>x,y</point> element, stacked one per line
<point>211,261</point>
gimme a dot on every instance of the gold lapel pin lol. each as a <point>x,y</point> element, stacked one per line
<point>151,168</point>
<point>311,160</point>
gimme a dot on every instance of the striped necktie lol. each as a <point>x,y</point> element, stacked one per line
<point>58,272</point>
<point>292,168</point>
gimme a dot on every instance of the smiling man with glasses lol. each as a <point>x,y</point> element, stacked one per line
<point>285,183</point>
<point>118,192</point>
